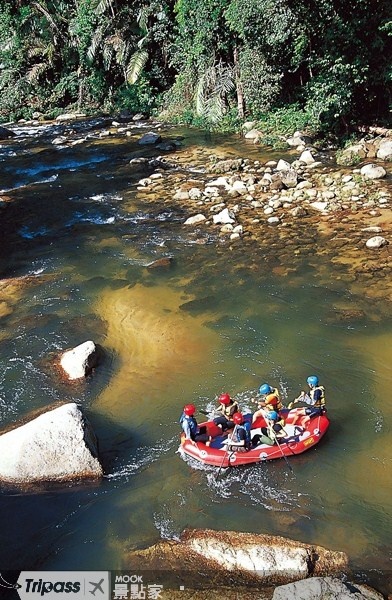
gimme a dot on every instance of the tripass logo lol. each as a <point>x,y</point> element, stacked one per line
<point>7,584</point>
<point>63,585</point>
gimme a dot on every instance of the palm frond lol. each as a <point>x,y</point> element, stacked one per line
<point>95,43</point>
<point>136,65</point>
<point>105,5</point>
<point>142,18</point>
<point>211,90</point>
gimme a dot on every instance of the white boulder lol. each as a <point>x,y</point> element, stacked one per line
<point>384,151</point>
<point>199,218</point>
<point>376,242</point>
<point>223,217</point>
<point>59,445</point>
<point>372,171</point>
<point>79,361</point>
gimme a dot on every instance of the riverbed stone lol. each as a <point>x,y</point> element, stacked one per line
<point>384,151</point>
<point>79,361</point>
<point>376,242</point>
<point>372,171</point>
<point>149,138</point>
<point>223,217</point>
<point>58,445</point>
<point>307,157</point>
<point>195,219</point>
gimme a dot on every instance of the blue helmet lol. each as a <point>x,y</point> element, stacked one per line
<point>273,415</point>
<point>265,389</point>
<point>312,380</point>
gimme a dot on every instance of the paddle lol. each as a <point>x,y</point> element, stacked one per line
<point>283,454</point>
<point>224,456</point>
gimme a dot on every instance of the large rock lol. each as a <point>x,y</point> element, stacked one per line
<point>384,151</point>
<point>351,155</point>
<point>79,361</point>
<point>6,133</point>
<point>321,588</point>
<point>239,557</point>
<point>372,171</point>
<point>149,138</point>
<point>59,445</point>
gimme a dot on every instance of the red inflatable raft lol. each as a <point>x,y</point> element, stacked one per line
<point>295,442</point>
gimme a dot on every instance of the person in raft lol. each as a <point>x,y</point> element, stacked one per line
<point>273,432</point>
<point>239,439</point>
<point>270,400</point>
<point>227,407</point>
<point>314,402</point>
<point>190,427</point>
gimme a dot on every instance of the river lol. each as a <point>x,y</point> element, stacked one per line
<point>77,238</point>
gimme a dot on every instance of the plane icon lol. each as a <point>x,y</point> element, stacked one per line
<point>96,586</point>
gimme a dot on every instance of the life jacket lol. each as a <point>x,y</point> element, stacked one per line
<point>246,428</point>
<point>228,411</point>
<point>321,401</point>
<point>192,424</point>
<point>278,405</point>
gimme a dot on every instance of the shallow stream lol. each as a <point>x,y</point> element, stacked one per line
<point>78,235</point>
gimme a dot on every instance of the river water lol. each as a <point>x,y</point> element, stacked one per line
<point>77,239</point>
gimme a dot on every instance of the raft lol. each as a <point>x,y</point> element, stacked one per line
<point>219,454</point>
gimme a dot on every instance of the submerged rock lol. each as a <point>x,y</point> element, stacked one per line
<point>59,445</point>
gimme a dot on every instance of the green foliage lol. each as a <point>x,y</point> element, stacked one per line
<point>137,97</point>
<point>327,60</point>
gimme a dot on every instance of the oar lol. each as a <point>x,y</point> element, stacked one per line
<point>224,456</point>
<point>284,456</point>
<point>280,448</point>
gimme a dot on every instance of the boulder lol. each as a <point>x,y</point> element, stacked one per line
<point>223,217</point>
<point>6,133</point>
<point>372,171</point>
<point>376,242</point>
<point>289,177</point>
<point>149,139</point>
<point>58,445</point>
<point>307,157</point>
<point>384,151</point>
<point>283,165</point>
<point>351,155</point>
<point>240,557</point>
<point>199,218</point>
<point>320,588</point>
<point>69,116</point>
<point>161,263</point>
<point>80,361</point>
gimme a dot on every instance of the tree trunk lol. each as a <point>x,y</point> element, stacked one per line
<point>239,88</point>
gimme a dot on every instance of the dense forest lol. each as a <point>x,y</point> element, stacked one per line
<point>320,64</point>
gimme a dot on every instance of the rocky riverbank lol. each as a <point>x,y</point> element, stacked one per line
<point>285,210</point>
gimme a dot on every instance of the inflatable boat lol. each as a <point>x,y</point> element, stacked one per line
<point>298,439</point>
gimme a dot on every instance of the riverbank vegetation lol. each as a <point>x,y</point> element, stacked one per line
<point>288,64</point>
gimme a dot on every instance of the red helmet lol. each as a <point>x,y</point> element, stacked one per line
<point>238,418</point>
<point>224,399</point>
<point>189,409</point>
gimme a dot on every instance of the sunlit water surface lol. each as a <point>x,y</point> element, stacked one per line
<point>216,320</point>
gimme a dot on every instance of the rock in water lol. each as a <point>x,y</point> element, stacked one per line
<point>79,361</point>
<point>59,445</point>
